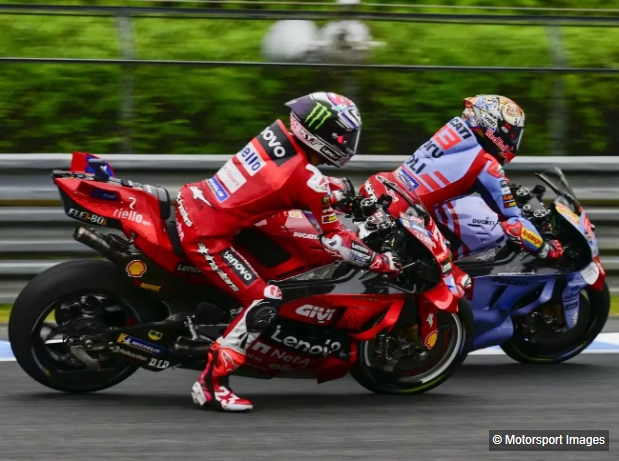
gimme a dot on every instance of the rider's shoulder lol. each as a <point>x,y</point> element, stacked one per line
<point>456,137</point>
<point>277,143</point>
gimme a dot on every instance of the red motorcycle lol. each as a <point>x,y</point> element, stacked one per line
<point>88,324</point>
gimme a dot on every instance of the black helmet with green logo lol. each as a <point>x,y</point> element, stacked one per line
<point>328,123</point>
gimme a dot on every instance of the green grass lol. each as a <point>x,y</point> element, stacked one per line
<point>57,108</point>
<point>5,309</point>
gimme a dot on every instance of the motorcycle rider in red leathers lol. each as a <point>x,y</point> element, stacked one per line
<point>276,171</point>
<point>465,156</point>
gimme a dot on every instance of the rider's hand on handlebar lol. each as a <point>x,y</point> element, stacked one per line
<point>551,249</point>
<point>386,263</point>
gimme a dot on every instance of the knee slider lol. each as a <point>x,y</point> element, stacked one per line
<point>261,315</point>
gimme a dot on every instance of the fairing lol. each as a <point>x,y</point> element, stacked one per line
<point>509,284</point>
<point>319,323</point>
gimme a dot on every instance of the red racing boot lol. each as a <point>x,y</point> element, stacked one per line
<point>212,388</point>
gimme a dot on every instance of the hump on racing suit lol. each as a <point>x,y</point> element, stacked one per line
<point>453,164</point>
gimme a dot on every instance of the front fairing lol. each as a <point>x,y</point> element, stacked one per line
<point>556,180</point>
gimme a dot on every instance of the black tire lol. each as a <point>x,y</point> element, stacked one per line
<point>594,310</point>
<point>56,283</point>
<point>383,382</point>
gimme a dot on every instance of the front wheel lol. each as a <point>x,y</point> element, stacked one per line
<point>59,307</point>
<point>556,345</point>
<point>384,370</point>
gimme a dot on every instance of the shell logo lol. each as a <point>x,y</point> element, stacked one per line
<point>136,268</point>
<point>431,339</point>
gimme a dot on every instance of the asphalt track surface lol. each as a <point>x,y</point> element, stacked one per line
<point>151,417</point>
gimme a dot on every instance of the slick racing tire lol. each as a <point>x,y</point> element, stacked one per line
<point>48,295</point>
<point>593,314</point>
<point>441,362</point>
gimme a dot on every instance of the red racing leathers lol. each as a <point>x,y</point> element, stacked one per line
<point>270,174</point>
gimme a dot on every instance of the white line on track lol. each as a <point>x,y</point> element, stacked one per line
<point>605,343</point>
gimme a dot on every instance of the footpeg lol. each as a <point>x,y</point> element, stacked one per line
<point>189,347</point>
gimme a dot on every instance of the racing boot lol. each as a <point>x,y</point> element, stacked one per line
<point>212,388</point>
<point>228,353</point>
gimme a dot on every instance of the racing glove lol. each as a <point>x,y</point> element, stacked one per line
<point>551,249</point>
<point>386,263</point>
<point>342,193</point>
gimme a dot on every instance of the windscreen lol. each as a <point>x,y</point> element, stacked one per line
<point>557,181</point>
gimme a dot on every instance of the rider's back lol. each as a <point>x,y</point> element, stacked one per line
<point>446,166</point>
<point>259,180</point>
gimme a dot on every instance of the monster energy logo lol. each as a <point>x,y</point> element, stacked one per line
<point>318,114</point>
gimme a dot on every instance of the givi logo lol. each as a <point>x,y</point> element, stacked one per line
<point>322,314</point>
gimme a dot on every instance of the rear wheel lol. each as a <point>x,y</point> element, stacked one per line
<point>550,343</point>
<point>382,370</point>
<point>57,309</point>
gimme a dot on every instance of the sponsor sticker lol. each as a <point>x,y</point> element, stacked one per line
<point>136,343</point>
<point>183,211</point>
<point>238,266</point>
<point>118,350</point>
<point>276,144</point>
<point>87,216</point>
<point>148,286</point>
<point>104,195</point>
<point>250,159</point>
<point>531,238</point>
<point>132,216</point>
<point>136,268</point>
<point>230,175</point>
<point>310,347</point>
<point>303,235</point>
<point>187,268</point>
<point>320,314</point>
<point>155,335</point>
<point>565,211</point>
<point>158,363</point>
<point>360,248</point>
<point>430,340</point>
<point>329,219</point>
<point>217,189</point>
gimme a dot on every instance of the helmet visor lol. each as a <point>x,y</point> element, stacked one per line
<point>517,133</point>
<point>346,143</point>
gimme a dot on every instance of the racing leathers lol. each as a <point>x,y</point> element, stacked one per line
<point>270,174</point>
<point>453,164</point>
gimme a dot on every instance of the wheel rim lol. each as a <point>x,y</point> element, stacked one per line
<point>73,315</point>
<point>565,342</point>
<point>425,367</point>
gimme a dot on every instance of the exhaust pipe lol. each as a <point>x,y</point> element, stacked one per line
<point>97,243</point>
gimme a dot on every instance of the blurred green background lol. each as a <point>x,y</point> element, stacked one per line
<point>184,110</point>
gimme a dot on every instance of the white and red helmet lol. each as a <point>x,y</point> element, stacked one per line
<point>498,122</point>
